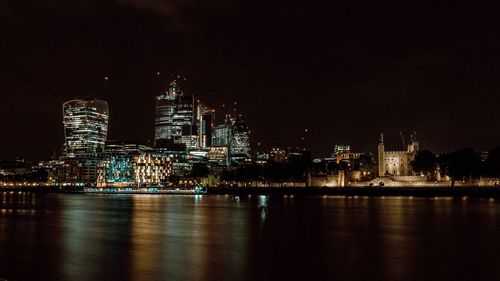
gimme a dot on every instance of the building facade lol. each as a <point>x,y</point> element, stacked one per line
<point>164,113</point>
<point>206,123</point>
<point>175,118</point>
<point>233,134</point>
<point>396,163</point>
<point>341,152</point>
<point>125,165</point>
<point>85,127</point>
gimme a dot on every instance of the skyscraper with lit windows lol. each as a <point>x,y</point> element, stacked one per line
<point>85,127</point>
<point>235,135</point>
<point>206,121</point>
<point>175,118</point>
<point>165,107</point>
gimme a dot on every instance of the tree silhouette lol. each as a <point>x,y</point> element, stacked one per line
<point>461,164</point>
<point>425,162</point>
<point>200,170</point>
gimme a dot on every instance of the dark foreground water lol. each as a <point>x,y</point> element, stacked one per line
<point>144,237</point>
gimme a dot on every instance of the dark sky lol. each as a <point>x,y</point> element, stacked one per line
<point>345,71</point>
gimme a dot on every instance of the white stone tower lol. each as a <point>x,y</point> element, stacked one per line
<point>381,155</point>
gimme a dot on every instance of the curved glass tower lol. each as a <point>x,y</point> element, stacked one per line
<point>85,126</point>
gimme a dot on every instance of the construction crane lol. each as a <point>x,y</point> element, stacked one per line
<point>402,139</point>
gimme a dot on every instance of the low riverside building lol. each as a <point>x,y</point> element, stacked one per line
<point>334,179</point>
<point>125,165</point>
<point>21,173</point>
<point>77,171</point>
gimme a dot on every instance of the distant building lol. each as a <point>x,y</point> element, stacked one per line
<point>234,134</point>
<point>218,155</point>
<point>221,134</point>
<point>85,132</point>
<point>206,122</point>
<point>11,168</point>
<point>78,171</point>
<point>116,166</point>
<point>396,163</point>
<point>85,127</point>
<point>341,152</point>
<point>175,118</point>
<point>164,114</point>
<point>240,142</point>
<point>262,158</point>
<point>277,154</point>
<point>128,164</point>
<point>184,127</point>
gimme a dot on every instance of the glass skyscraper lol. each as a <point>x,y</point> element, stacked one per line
<point>175,118</point>
<point>165,108</point>
<point>206,120</point>
<point>234,134</point>
<point>85,127</point>
<point>240,142</point>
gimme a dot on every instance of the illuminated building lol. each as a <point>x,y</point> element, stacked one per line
<point>184,127</point>
<point>85,132</point>
<point>116,166</point>
<point>12,168</point>
<point>341,152</point>
<point>85,127</point>
<point>151,168</point>
<point>129,164</point>
<point>261,158</point>
<point>78,170</point>
<point>218,155</point>
<point>240,142</point>
<point>175,113</point>
<point>396,163</point>
<point>206,119</point>
<point>165,107</point>
<point>277,155</point>
<point>121,147</point>
<point>234,134</point>
<point>221,134</point>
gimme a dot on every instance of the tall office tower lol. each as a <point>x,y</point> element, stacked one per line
<point>184,128</point>
<point>85,126</point>
<point>206,120</point>
<point>234,134</point>
<point>240,142</point>
<point>175,118</point>
<point>165,107</point>
<point>221,134</point>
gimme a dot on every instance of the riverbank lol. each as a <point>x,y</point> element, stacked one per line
<point>363,191</point>
<point>301,191</point>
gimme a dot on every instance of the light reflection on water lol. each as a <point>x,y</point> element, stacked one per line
<point>165,237</point>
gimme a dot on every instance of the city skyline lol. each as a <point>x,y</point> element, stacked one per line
<point>249,140</point>
<point>345,72</point>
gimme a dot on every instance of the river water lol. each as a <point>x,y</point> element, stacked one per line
<point>162,237</point>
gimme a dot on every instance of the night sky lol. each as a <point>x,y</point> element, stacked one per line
<point>345,71</point>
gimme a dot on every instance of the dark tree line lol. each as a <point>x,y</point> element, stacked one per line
<point>34,176</point>
<point>463,164</point>
<point>272,173</point>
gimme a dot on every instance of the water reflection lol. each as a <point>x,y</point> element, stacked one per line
<point>140,237</point>
<point>263,207</point>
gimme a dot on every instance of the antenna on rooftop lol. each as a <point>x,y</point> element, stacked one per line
<point>106,82</point>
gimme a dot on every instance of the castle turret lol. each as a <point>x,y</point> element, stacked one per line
<point>381,155</point>
<point>413,146</point>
